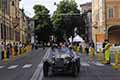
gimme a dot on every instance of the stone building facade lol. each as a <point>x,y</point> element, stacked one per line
<point>10,21</point>
<point>86,10</point>
<point>106,21</point>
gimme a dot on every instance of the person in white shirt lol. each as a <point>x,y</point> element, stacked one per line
<point>19,47</point>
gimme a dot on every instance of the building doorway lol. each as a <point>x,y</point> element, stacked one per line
<point>114,34</point>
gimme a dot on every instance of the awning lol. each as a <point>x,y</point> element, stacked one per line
<point>77,38</point>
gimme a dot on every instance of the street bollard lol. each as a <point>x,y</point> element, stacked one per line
<point>78,49</point>
<point>13,55</point>
<point>5,56</point>
<point>18,52</point>
<point>27,48</point>
<point>91,54</point>
<point>22,50</point>
<point>116,60</point>
<point>83,51</point>
<point>100,55</point>
<point>13,52</point>
<point>116,57</point>
<point>30,48</point>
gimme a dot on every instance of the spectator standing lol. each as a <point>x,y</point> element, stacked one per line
<point>104,43</point>
<point>10,45</point>
<point>0,51</point>
<point>107,52</point>
<point>8,50</point>
<point>20,47</point>
<point>87,48</point>
<point>2,46</point>
<point>16,48</point>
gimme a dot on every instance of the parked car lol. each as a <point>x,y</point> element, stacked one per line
<point>61,60</point>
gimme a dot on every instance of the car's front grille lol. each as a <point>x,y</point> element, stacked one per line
<point>59,62</point>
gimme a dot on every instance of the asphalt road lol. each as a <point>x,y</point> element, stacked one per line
<point>29,67</point>
<point>22,68</point>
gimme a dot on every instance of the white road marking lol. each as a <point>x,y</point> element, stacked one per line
<point>39,68</point>
<point>84,64</point>
<point>41,75</point>
<point>112,63</point>
<point>98,64</point>
<point>40,65</point>
<point>13,67</point>
<point>27,66</point>
<point>2,67</point>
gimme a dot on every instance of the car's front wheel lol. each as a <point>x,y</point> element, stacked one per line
<point>78,65</point>
<point>74,70</point>
<point>45,69</point>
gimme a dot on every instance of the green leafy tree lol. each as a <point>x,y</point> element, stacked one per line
<point>43,24</point>
<point>66,18</point>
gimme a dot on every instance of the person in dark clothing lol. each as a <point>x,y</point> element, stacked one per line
<point>10,45</point>
<point>16,48</point>
<point>8,50</point>
<point>2,48</point>
<point>104,43</point>
<point>20,47</point>
<point>87,49</point>
<point>92,44</point>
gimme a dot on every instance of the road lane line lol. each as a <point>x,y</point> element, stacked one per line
<point>98,64</point>
<point>2,67</point>
<point>39,67</point>
<point>84,64</point>
<point>27,66</point>
<point>12,67</point>
<point>41,75</point>
<point>112,63</point>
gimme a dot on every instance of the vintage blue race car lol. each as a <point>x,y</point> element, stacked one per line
<point>61,60</point>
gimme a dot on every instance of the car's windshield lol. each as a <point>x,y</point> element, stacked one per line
<point>62,51</point>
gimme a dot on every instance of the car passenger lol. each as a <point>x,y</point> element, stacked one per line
<point>64,49</point>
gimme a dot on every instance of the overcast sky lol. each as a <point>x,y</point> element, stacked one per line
<point>28,5</point>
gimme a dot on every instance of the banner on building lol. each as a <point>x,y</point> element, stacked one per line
<point>100,37</point>
<point>99,41</point>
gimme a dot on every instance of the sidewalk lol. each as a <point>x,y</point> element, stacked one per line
<point>95,58</point>
<point>13,58</point>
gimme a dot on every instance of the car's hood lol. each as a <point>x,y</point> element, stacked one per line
<point>61,55</point>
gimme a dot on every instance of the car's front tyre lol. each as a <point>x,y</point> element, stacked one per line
<point>78,65</point>
<point>74,70</point>
<point>45,69</point>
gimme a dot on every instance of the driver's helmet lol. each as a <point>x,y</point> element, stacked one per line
<point>61,44</point>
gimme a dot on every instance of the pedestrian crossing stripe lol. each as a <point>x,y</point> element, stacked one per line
<point>112,63</point>
<point>98,64</point>
<point>2,67</point>
<point>27,66</point>
<point>88,64</point>
<point>12,67</point>
<point>84,64</point>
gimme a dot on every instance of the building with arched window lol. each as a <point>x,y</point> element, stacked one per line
<point>106,21</point>
<point>11,19</point>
